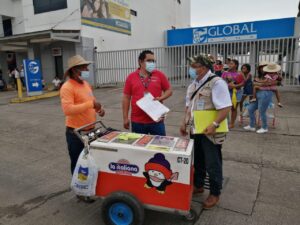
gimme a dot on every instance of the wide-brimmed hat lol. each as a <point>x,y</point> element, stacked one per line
<point>263,63</point>
<point>76,60</point>
<point>272,68</point>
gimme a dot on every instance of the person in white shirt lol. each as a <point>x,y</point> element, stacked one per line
<point>207,92</point>
<point>56,82</point>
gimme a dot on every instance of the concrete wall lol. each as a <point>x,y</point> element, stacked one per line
<point>153,18</point>
<point>48,61</point>
<point>86,49</point>
<point>26,21</point>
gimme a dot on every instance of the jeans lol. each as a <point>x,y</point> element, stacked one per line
<point>207,159</point>
<point>75,147</point>
<point>264,98</point>
<point>149,128</point>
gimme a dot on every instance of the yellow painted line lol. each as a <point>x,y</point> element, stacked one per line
<point>33,98</point>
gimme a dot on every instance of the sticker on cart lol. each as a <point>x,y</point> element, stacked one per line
<point>162,143</point>
<point>144,141</point>
<point>158,173</point>
<point>127,138</point>
<point>123,167</point>
<point>108,137</point>
<point>181,145</point>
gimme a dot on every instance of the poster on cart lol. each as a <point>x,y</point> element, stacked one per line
<point>33,77</point>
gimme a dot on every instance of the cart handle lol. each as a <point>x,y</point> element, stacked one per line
<point>80,129</point>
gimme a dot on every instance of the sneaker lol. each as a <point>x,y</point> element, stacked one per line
<point>270,116</point>
<point>262,131</point>
<point>253,100</point>
<point>249,128</point>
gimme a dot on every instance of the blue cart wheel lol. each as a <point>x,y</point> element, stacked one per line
<point>121,214</point>
<point>122,208</point>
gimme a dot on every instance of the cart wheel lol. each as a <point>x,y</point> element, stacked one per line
<point>122,208</point>
<point>191,216</point>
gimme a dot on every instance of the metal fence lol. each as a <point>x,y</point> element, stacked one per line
<point>113,67</point>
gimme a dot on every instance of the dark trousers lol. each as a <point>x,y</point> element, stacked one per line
<point>149,128</point>
<point>75,147</point>
<point>207,159</point>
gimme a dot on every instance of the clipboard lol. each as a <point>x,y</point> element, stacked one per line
<point>203,118</point>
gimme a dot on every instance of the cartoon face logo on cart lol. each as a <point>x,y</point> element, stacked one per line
<point>83,173</point>
<point>33,67</point>
<point>158,173</point>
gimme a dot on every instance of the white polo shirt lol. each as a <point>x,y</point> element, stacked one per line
<point>220,93</point>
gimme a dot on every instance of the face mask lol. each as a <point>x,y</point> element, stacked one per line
<point>192,73</point>
<point>85,74</point>
<point>150,66</point>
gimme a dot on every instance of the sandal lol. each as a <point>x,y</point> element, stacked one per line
<point>279,104</point>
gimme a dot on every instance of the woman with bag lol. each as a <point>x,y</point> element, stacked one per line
<point>207,92</point>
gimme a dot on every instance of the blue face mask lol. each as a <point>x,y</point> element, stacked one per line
<point>192,73</point>
<point>150,66</point>
<point>85,74</point>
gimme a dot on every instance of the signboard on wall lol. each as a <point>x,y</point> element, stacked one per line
<point>111,15</point>
<point>33,76</point>
<point>56,51</point>
<point>265,29</point>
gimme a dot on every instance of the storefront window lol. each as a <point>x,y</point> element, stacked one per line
<point>41,6</point>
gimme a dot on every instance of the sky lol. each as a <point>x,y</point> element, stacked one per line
<point>215,12</point>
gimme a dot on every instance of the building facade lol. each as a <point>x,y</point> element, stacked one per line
<point>52,31</point>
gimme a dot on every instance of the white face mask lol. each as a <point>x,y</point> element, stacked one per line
<point>85,74</point>
<point>150,66</point>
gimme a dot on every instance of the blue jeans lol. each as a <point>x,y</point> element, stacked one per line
<point>75,147</point>
<point>207,159</point>
<point>264,98</point>
<point>149,128</point>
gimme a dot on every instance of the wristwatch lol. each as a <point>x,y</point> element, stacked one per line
<point>216,125</point>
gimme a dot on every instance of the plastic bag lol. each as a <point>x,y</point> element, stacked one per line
<point>85,175</point>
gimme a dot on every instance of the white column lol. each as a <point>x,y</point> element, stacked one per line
<point>1,27</point>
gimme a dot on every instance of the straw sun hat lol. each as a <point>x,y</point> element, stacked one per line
<point>272,68</point>
<point>76,60</point>
<point>263,63</point>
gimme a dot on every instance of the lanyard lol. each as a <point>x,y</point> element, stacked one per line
<point>145,83</point>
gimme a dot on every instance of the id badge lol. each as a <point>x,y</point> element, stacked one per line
<point>200,104</point>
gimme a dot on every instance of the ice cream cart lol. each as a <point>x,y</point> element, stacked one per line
<point>139,171</point>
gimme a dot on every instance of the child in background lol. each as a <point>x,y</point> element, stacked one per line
<point>271,74</point>
<point>248,88</point>
<point>57,83</point>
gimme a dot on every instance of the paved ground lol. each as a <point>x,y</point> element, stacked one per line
<point>262,171</point>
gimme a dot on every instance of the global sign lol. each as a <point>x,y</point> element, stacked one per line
<point>222,33</point>
<point>33,77</point>
<point>33,67</point>
<point>232,32</point>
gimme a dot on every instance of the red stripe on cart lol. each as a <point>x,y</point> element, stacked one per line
<point>176,196</point>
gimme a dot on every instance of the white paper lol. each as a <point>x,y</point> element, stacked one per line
<point>152,107</point>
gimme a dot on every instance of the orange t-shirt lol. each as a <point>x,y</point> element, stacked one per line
<point>77,101</point>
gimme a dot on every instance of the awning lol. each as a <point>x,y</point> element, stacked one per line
<point>20,42</point>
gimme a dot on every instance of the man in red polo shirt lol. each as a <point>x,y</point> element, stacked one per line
<point>146,79</point>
